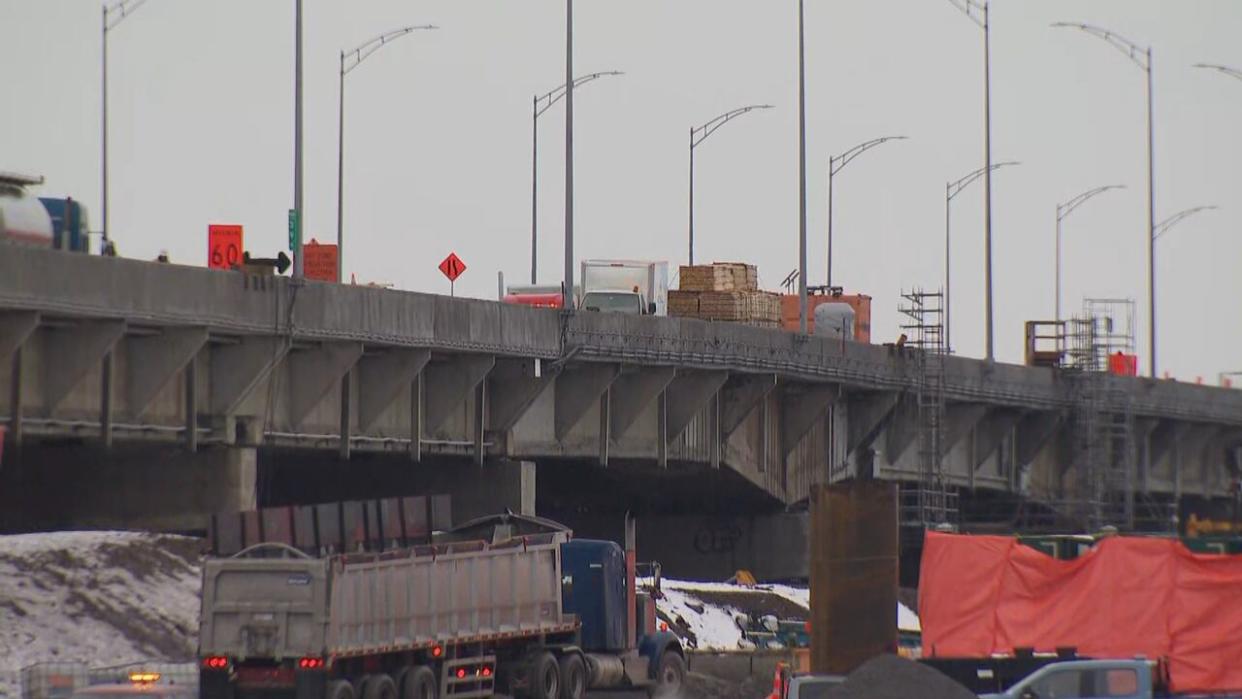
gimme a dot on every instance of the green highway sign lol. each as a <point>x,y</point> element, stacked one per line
<point>295,232</point>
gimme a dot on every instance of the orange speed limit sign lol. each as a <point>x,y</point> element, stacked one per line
<point>224,246</point>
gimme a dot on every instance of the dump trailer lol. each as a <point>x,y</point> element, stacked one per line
<point>502,605</point>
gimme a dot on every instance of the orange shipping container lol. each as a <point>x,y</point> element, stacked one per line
<point>861,303</point>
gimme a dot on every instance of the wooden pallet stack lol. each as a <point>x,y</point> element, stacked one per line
<point>724,291</point>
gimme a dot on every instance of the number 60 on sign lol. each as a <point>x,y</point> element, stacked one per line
<point>224,246</point>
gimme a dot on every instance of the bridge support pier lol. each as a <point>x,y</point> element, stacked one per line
<point>165,488</point>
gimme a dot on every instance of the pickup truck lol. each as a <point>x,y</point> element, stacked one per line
<point>1087,679</point>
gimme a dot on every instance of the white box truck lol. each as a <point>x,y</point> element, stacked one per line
<point>634,287</point>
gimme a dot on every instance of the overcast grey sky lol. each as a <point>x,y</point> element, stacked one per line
<point>438,142</point>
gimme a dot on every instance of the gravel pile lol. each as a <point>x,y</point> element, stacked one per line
<point>891,677</point>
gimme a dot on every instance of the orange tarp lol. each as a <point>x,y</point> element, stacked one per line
<point>980,595</point>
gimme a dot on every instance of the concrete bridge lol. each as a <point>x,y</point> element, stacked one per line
<point>154,391</point>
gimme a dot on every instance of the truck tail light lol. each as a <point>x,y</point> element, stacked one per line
<point>310,664</point>
<point>215,662</point>
<point>461,673</point>
<point>486,671</point>
<point>437,651</point>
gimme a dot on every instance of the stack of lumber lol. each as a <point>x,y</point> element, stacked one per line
<point>719,276</point>
<point>724,291</point>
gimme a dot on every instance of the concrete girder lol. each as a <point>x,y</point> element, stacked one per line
<point>383,377</point>
<point>901,430</point>
<point>71,353</point>
<point>631,393</point>
<point>990,433</point>
<point>687,394</point>
<point>238,368</point>
<point>1034,432</point>
<point>313,372</point>
<point>867,413</point>
<point>577,389</point>
<point>515,385</point>
<point>801,407</point>
<point>15,329</point>
<point>960,420</point>
<point>1164,437</point>
<point>154,360</point>
<point>739,398</point>
<point>447,385</point>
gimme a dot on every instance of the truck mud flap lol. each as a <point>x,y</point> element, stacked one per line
<point>309,684</point>
<point>214,684</point>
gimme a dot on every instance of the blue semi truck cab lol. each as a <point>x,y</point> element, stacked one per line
<point>618,635</point>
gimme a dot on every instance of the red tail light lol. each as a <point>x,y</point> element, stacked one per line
<point>437,651</point>
<point>310,664</point>
<point>461,672</point>
<point>215,662</point>
<point>487,671</point>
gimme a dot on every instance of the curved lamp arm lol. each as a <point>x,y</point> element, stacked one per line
<point>700,133</point>
<point>1141,56</point>
<point>1164,226</point>
<point>836,163</point>
<point>1065,209</point>
<point>118,10</point>
<point>955,188</point>
<point>1234,72</point>
<point>352,59</point>
<point>556,95</point>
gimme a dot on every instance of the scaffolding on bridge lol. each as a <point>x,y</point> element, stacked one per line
<point>930,502</point>
<point>1104,454</point>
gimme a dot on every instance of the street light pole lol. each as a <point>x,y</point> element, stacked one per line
<point>1064,210</point>
<point>977,12</point>
<point>951,190</point>
<point>567,292</point>
<point>113,14</point>
<point>802,299</point>
<point>698,135</point>
<point>297,139</point>
<point>1143,59</point>
<point>835,164</point>
<point>547,100</point>
<point>349,61</point>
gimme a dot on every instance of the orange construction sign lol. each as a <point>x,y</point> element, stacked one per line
<point>319,262</point>
<point>224,246</point>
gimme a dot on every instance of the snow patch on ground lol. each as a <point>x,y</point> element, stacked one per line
<point>715,625</point>
<point>95,597</point>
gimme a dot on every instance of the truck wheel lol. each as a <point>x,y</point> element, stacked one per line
<point>670,675</point>
<point>545,677</point>
<point>419,683</point>
<point>573,676</point>
<point>379,687</point>
<point>340,689</point>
